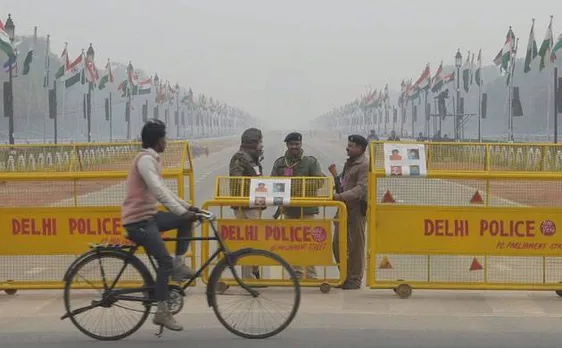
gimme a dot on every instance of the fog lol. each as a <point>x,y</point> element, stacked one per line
<point>285,62</point>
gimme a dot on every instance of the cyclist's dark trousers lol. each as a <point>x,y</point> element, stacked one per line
<point>147,234</point>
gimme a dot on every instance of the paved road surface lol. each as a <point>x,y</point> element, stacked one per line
<point>339,319</point>
<point>350,319</point>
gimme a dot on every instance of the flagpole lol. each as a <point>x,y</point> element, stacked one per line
<point>426,115</point>
<point>413,121</point>
<point>555,105</point>
<point>480,109</point>
<point>510,92</point>
<point>110,118</point>
<point>63,93</point>
<point>46,85</point>
<point>30,82</point>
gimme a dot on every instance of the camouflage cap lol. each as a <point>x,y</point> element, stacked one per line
<point>251,136</point>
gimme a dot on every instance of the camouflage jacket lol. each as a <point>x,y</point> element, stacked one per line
<point>303,166</point>
<point>243,163</point>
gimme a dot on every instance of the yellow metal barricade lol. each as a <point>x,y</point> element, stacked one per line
<point>304,241</point>
<point>56,200</point>
<point>482,223</point>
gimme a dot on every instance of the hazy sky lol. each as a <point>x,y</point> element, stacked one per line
<point>284,61</point>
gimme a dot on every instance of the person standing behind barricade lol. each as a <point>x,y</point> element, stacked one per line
<point>295,163</point>
<point>393,136</point>
<point>354,184</point>
<point>247,162</point>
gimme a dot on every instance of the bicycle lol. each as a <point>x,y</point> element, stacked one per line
<point>112,296</point>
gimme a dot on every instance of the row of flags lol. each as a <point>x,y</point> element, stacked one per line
<point>546,53</point>
<point>82,70</point>
<point>10,49</point>
<point>471,71</point>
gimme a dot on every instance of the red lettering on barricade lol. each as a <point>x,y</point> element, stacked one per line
<point>16,227</point>
<point>93,227</point>
<point>34,227</point>
<point>509,228</point>
<point>446,228</point>
<point>289,234</point>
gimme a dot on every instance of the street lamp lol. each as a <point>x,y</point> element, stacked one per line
<point>90,54</point>
<point>458,63</point>
<point>156,82</point>
<point>10,29</point>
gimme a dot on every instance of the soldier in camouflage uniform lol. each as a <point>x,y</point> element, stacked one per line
<point>247,162</point>
<point>295,163</point>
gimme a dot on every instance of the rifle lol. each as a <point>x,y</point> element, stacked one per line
<point>332,169</point>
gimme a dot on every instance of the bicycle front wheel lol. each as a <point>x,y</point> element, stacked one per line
<point>277,294</point>
<point>89,284</point>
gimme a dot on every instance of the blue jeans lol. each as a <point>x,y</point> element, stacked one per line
<point>147,234</point>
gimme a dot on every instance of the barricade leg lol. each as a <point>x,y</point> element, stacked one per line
<point>310,273</point>
<point>245,214</point>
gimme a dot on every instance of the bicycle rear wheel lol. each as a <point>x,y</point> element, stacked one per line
<point>116,318</point>
<point>281,282</point>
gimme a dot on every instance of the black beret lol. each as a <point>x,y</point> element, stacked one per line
<point>359,140</point>
<point>293,137</point>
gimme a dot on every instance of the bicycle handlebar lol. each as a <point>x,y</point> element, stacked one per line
<point>205,215</point>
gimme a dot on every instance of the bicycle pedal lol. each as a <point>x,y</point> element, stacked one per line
<point>160,332</point>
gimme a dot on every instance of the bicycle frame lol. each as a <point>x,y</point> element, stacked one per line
<point>121,293</point>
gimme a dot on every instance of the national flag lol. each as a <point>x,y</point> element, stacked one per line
<point>449,78</point>
<point>92,75</point>
<point>424,81</point>
<point>472,69</point>
<point>29,57</point>
<point>546,47</point>
<point>386,96</point>
<point>11,64</point>
<point>107,76</point>
<point>46,78</point>
<point>145,86</point>
<point>532,51</point>
<point>437,80</point>
<point>504,55</point>
<point>75,72</point>
<point>131,76</point>
<point>556,47</point>
<point>478,72</point>
<point>123,88</point>
<point>65,63</point>
<point>5,42</point>
<point>466,73</point>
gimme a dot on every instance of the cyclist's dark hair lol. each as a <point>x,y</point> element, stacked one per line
<point>152,131</point>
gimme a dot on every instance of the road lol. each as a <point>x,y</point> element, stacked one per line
<point>364,318</point>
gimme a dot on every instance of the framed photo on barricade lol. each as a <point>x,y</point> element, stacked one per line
<point>267,192</point>
<point>405,160</point>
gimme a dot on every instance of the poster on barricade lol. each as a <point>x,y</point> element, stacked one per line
<point>405,160</point>
<point>267,192</point>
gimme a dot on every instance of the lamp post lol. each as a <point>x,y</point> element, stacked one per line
<point>458,63</point>
<point>90,55</point>
<point>10,29</point>
<point>156,82</point>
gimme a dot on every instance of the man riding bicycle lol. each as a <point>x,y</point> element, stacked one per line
<point>143,222</point>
